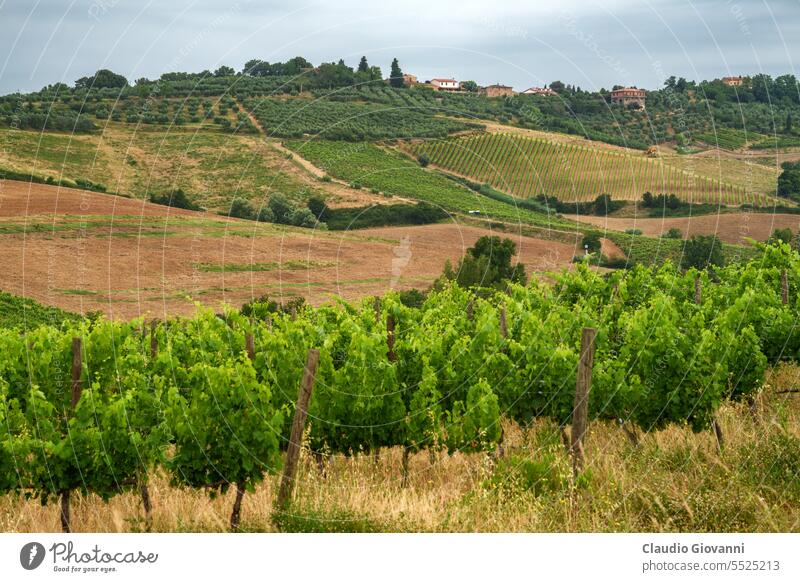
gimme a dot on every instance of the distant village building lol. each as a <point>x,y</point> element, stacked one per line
<point>409,80</point>
<point>539,91</point>
<point>498,91</point>
<point>629,95</point>
<point>445,85</point>
<point>733,81</point>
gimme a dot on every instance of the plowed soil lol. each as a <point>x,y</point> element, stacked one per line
<point>84,251</point>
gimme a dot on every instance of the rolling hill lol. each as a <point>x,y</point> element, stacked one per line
<point>526,165</point>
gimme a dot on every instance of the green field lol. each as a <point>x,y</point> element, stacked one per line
<point>26,313</point>
<point>730,139</point>
<point>528,166</point>
<point>370,166</point>
<point>348,120</point>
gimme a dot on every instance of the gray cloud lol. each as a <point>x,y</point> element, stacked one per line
<point>592,44</point>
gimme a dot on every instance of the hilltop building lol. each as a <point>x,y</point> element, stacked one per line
<point>733,81</point>
<point>539,91</point>
<point>409,80</point>
<point>445,85</point>
<point>628,95</point>
<point>498,91</point>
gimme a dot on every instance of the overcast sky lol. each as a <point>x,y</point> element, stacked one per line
<point>590,43</point>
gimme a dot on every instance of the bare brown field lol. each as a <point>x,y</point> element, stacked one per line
<point>731,228</point>
<point>84,251</point>
<point>24,199</point>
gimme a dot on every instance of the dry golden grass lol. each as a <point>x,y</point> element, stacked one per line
<point>673,481</point>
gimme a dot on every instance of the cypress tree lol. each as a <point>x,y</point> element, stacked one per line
<point>396,76</point>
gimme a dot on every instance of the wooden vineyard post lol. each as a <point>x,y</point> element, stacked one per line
<point>718,433</point>
<point>503,322</point>
<point>784,287</point>
<point>406,454</point>
<point>298,426</point>
<point>471,309</point>
<point>77,369</point>
<point>390,338</point>
<point>698,290</point>
<point>153,340</point>
<point>583,385</point>
<point>250,346</point>
<point>376,305</point>
<point>144,491</point>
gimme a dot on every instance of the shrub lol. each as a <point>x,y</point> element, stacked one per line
<point>302,217</point>
<point>487,264</point>
<point>241,208</point>
<point>423,160</point>
<point>604,205</point>
<point>702,252</point>
<point>413,298</point>
<point>591,242</point>
<point>781,234</point>
<point>281,208</point>
<point>175,199</point>
<point>265,215</point>
<point>317,206</point>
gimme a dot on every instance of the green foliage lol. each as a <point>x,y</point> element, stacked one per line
<point>176,199</point>
<point>789,181</point>
<point>783,235</point>
<point>487,264</point>
<point>202,409</point>
<point>382,215</point>
<point>224,427</point>
<point>539,476</point>
<point>102,79</point>
<point>702,252</point>
<point>591,242</point>
<point>392,173</point>
<point>241,208</point>
<point>317,206</point>
<point>668,201</point>
<point>604,205</point>
<point>354,122</point>
<point>24,313</point>
<point>396,75</point>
